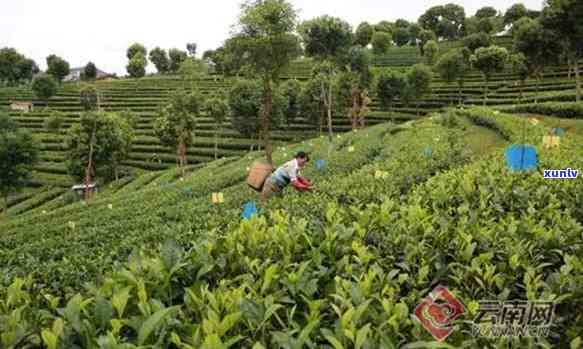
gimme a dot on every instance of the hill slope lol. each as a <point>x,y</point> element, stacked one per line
<point>344,265</point>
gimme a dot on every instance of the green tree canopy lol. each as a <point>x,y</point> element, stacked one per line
<point>176,57</point>
<point>401,36</point>
<point>419,79</point>
<point>326,38</point>
<point>489,60</point>
<point>246,103</point>
<point>18,154</point>
<point>57,67</point>
<point>445,21</point>
<point>134,49</point>
<point>424,37</point>
<point>514,13</point>
<point>267,43</point>
<point>363,34</point>
<point>290,90</point>
<point>217,109</point>
<point>160,59</point>
<point>137,66</point>
<point>44,86</point>
<point>88,97</point>
<point>97,145</point>
<point>90,71</point>
<point>565,19</point>
<point>453,67</point>
<point>390,84</point>
<point>54,123</point>
<point>381,41</point>
<point>431,49</point>
<point>477,40</point>
<point>176,122</point>
<point>15,67</point>
<point>486,12</point>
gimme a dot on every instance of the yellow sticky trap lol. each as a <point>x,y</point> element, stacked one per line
<point>248,169</point>
<point>110,206</point>
<point>218,198</point>
<point>350,149</point>
<point>551,141</point>
<point>533,121</point>
<point>381,174</point>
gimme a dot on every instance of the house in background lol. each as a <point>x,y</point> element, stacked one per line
<point>75,74</point>
<point>22,106</point>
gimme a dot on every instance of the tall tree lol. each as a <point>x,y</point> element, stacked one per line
<point>424,37</point>
<point>431,49</point>
<point>381,41</point>
<point>134,49</point>
<point>327,39</point>
<point>401,36</point>
<point>96,146</point>
<point>445,21</point>
<point>291,92</point>
<point>160,59</point>
<point>565,18</point>
<point>217,109</point>
<point>363,34</point>
<point>520,68</point>
<point>191,48</point>
<point>486,12</point>
<point>176,58</point>
<point>514,13</point>
<point>390,85</point>
<point>266,41</point>
<point>44,87</point>
<point>15,66</point>
<point>246,102</point>
<point>419,79</point>
<point>489,60</point>
<point>311,103</point>
<point>90,71</point>
<point>358,77</point>
<point>57,67</point>
<point>192,68</point>
<point>18,153</point>
<point>477,40</point>
<point>89,98</point>
<point>176,123</point>
<point>137,66</point>
<point>453,67</point>
<point>540,46</point>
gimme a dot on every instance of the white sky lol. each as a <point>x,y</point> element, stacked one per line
<point>100,31</point>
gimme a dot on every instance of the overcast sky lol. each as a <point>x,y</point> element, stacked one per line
<point>100,31</point>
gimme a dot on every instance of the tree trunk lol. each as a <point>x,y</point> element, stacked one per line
<point>485,92</point>
<point>330,133</point>
<point>459,93</point>
<point>537,87</point>
<point>265,120</point>
<point>216,143</point>
<point>5,206</point>
<point>569,64</point>
<point>577,80</point>
<point>89,168</point>
<point>417,107</point>
<point>355,112</point>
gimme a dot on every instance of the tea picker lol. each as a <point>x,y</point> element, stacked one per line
<point>264,179</point>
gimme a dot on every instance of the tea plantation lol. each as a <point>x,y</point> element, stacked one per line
<point>154,264</point>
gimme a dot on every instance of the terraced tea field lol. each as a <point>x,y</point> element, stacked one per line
<point>168,268</point>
